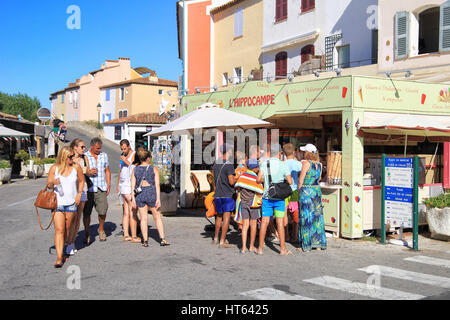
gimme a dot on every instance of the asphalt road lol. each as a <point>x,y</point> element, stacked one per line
<point>191,268</point>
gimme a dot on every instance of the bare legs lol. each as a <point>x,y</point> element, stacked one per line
<point>127,214</point>
<point>246,223</point>
<point>262,233</point>
<point>63,222</point>
<point>143,213</point>
<point>157,216</point>
<point>76,224</point>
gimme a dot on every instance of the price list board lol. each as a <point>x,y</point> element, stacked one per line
<point>399,192</point>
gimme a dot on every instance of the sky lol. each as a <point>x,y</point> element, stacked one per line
<point>40,55</point>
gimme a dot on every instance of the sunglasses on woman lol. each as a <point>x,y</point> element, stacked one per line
<point>71,156</point>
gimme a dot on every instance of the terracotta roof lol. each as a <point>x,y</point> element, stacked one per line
<point>224,6</point>
<point>57,92</point>
<point>142,118</point>
<point>146,81</point>
<point>7,116</point>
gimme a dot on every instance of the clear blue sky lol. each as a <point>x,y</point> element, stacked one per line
<point>40,55</point>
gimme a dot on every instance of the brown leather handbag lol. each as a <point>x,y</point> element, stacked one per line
<point>46,200</point>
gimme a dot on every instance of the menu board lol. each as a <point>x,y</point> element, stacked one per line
<point>398,190</point>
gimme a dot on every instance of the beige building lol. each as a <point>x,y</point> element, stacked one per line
<point>58,104</point>
<point>414,39</point>
<point>142,95</point>
<point>236,41</point>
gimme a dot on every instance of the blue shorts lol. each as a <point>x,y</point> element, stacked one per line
<point>270,206</point>
<point>224,205</point>
<point>146,198</point>
<point>71,208</point>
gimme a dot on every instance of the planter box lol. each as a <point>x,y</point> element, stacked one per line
<point>36,171</point>
<point>5,175</point>
<point>439,223</point>
<point>47,168</point>
<point>169,203</point>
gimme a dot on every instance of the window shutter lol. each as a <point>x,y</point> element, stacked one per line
<point>401,35</point>
<point>285,9</point>
<point>304,5</point>
<point>444,27</point>
<point>278,10</point>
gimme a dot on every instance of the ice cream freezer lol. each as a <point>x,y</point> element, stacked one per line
<point>331,201</point>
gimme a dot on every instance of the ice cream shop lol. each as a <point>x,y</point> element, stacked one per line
<point>352,120</point>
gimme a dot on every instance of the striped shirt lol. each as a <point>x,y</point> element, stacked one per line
<point>101,164</point>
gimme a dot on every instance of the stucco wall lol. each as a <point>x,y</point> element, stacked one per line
<point>351,18</point>
<point>146,98</point>
<point>386,44</point>
<point>244,51</point>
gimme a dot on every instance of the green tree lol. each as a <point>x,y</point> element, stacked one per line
<point>20,103</point>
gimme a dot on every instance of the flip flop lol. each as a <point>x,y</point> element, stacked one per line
<point>102,236</point>
<point>286,254</point>
<point>226,245</point>
<point>164,243</point>
<point>136,240</point>
<point>127,239</point>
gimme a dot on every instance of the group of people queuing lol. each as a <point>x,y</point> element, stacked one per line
<point>81,180</point>
<point>243,191</point>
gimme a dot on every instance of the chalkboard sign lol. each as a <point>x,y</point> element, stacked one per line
<point>32,151</point>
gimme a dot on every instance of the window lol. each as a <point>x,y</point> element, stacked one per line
<point>238,75</point>
<point>308,5</point>
<point>123,114</point>
<point>281,65</point>
<point>122,94</point>
<point>118,133</point>
<point>306,52</point>
<point>160,92</point>
<point>225,79</point>
<point>107,95</point>
<point>429,31</point>
<point>62,98</point>
<point>344,56</point>
<point>238,22</point>
<point>281,10</point>
<point>71,97</point>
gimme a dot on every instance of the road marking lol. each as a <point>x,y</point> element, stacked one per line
<point>363,289</point>
<point>431,261</point>
<point>410,276</point>
<point>16,203</point>
<point>272,294</point>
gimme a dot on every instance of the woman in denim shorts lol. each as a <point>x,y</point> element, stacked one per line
<point>146,178</point>
<point>67,179</point>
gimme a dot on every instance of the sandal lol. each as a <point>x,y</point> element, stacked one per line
<point>102,236</point>
<point>58,265</point>
<point>136,240</point>
<point>145,244</point>
<point>164,243</point>
<point>127,239</point>
<point>87,240</point>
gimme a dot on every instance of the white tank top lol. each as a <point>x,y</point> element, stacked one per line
<point>125,171</point>
<point>69,188</point>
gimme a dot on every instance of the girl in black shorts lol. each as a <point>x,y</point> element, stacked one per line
<point>146,178</point>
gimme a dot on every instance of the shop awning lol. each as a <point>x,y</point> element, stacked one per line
<point>385,126</point>
<point>6,132</point>
<point>209,116</point>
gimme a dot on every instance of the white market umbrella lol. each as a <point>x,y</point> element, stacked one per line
<point>207,117</point>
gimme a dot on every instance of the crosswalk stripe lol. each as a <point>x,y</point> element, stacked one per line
<point>430,260</point>
<point>272,294</point>
<point>409,275</point>
<point>363,289</point>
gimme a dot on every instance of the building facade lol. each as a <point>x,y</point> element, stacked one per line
<point>194,42</point>
<point>414,39</point>
<point>300,37</point>
<point>143,95</point>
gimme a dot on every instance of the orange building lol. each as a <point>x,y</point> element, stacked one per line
<point>194,43</point>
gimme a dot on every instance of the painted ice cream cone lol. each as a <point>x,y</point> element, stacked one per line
<point>361,94</point>
<point>424,97</point>
<point>286,94</point>
<point>344,92</point>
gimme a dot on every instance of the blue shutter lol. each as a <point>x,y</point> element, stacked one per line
<point>401,35</point>
<point>108,95</point>
<point>109,116</point>
<point>103,118</point>
<point>444,27</point>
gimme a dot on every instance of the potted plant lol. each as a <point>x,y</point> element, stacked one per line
<point>48,163</point>
<point>438,216</point>
<point>169,197</point>
<point>36,168</point>
<point>257,73</point>
<point>23,157</point>
<point>5,171</point>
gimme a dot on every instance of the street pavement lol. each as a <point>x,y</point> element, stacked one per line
<point>192,268</point>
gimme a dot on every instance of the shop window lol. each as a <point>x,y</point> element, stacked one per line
<point>281,65</point>
<point>117,133</point>
<point>344,56</point>
<point>281,10</point>
<point>225,79</point>
<point>306,52</point>
<point>429,31</point>
<point>238,75</point>
<point>308,5</point>
<point>239,22</point>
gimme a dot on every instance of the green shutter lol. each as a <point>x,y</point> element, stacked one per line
<point>401,35</point>
<point>444,27</point>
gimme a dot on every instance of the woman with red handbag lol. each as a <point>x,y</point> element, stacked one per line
<point>67,179</point>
